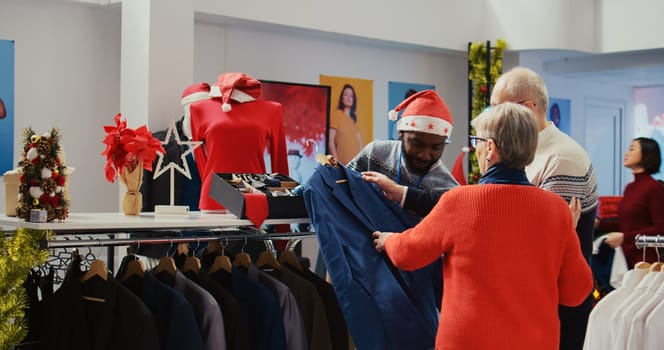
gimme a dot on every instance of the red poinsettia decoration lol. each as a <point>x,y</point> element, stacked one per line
<point>127,148</point>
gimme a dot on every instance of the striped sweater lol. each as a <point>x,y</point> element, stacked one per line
<point>562,166</point>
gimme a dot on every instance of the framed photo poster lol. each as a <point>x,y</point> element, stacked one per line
<point>351,115</point>
<point>306,117</point>
<point>559,114</point>
<point>6,105</point>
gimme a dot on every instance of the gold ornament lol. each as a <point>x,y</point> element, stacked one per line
<point>35,138</point>
<point>35,201</point>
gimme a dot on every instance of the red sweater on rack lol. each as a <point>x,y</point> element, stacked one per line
<point>236,141</point>
<point>641,211</point>
<point>511,256</point>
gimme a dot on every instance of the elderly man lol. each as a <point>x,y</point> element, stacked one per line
<point>410,170</point>
<point>561,166</point>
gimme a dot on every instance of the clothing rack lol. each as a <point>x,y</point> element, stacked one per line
<point>649,241</point>
<point>48,244</point>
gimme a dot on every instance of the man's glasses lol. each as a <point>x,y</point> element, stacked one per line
<point>474,140</point>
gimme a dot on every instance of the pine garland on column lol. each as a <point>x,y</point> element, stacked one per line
<point>481,84</point>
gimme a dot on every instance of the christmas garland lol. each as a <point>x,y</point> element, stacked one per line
<point>477,54</point>
<point>43,176</point>
<point>18,254</point>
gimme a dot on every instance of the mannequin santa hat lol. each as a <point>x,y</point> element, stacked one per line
<point>237,86</point>
<point>425,112</point>
<point>457,169</point>
<point>192,93</point>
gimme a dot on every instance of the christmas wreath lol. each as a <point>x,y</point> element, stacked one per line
<point>43,176</point>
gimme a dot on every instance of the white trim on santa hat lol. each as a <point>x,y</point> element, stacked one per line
<point>186,101</point>
<point>241,96</point>
<point>427,124</point>
<point>195,97</point>
<point>237,95</point>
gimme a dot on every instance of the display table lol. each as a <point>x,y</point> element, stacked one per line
<point>119,222</point>
<point>120,229</point>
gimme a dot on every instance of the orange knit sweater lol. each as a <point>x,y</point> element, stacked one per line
<point>511,256</point>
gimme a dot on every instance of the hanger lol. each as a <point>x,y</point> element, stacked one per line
<point>214,247</point>
<point>642,265</point>
<point>242,259</point>
<point>192,263</point>
<point>267,259</point>
<point>166,264</point>
<point>92,286</point>
<point>134,268</point>
<point>322,159</point>
<point>288,257</point>
<point>183,248</point>
<point>222,261</point>
<point>97,268</point>
<point>657,266</point>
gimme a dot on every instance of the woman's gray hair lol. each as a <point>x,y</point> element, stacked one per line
<point>513,128</point>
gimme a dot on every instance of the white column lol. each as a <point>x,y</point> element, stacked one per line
<point>156,60</point>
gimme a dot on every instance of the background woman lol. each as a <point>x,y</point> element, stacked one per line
<point>641,210</point>
<point>511,250</point>
<point>345,140</point>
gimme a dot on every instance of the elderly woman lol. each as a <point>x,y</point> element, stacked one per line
<point>511,252</point>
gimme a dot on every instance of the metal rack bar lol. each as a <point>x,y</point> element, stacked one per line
<point>168,240</point>
<point>649,241</point>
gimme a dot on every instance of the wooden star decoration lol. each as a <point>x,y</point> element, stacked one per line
<point>172,132</point>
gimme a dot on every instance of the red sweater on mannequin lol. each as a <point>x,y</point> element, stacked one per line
<point>235,141</point>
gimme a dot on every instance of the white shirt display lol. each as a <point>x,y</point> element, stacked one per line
<point>653,337</point>
<point>597,335</point>
<point>619,331</point>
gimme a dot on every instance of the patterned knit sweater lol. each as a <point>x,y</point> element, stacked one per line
<point>562,166</point>
<point>511,256</point>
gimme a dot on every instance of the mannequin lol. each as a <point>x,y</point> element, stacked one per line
<point>236,130</point>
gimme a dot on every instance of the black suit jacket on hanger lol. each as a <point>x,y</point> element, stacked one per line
<point>121,322</point>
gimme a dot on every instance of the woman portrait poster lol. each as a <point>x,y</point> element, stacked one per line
<point>351,115</point>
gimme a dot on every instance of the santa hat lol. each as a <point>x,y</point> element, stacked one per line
<point>425,112</point>
<point>228,83</point>
<point>193,93</point>
<point>457,169</point>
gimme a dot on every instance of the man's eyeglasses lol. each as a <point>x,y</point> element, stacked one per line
<point>474,140</point>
